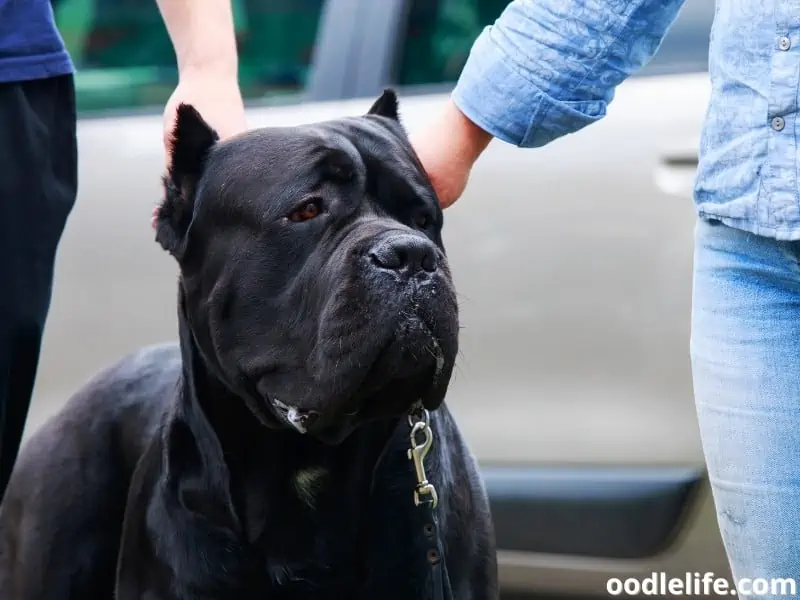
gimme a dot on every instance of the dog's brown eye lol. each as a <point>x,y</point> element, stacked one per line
<point>308,210</point>
<point>422,221</point>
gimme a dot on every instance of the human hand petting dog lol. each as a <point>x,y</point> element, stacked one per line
<point>447,149</point>
<point>215,95</point>
<point>204,40</point>
<point>203,36</point>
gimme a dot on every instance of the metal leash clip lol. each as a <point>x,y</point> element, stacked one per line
<point>418,452</point>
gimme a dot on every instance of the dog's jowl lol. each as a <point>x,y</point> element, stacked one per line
<point>266,455</point>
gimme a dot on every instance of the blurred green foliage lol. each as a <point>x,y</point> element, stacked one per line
<point>125,60</point>
<point>439,36</point>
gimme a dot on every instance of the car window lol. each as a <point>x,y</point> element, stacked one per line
<point>439,33</point>
<point>124,58</point>
<point>685,47</point>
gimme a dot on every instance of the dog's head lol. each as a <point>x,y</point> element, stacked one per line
<point>313,276</point>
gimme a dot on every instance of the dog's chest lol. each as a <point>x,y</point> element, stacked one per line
<point>320,575</point>
<point>308,538</point>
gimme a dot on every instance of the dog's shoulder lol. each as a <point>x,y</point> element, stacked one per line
<point>109,419</point>
<point>70,482</point>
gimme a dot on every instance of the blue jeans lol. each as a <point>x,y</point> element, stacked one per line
<point>745,350</point>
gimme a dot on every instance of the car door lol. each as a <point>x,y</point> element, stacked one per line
<point>114,287</point>
<point>573,267</point>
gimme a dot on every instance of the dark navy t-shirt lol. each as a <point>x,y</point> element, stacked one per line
<point>30,45</point>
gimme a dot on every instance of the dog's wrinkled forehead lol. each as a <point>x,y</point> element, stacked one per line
<point>289,162</point>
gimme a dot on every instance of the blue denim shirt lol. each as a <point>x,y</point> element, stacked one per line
<point>548,68</point>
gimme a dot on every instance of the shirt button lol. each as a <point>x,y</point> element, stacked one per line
<point>778,123</point>
<point>784,43</point>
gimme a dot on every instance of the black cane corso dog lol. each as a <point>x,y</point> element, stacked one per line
<point>266,456</point>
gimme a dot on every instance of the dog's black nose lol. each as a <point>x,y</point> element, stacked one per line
<point>405,253</point>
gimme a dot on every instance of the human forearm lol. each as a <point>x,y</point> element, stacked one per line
<point>202,35</point>
<point>550,67</point>
<point>467,138</point>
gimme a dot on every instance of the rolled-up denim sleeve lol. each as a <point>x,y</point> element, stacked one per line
<point>547,68</point>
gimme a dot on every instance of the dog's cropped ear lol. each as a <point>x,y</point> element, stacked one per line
<point>386,105</point>
<point>192,138</point>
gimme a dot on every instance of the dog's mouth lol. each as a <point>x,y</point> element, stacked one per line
<point>303,420</point>
<point>404,371</point>
<point>412,352</point>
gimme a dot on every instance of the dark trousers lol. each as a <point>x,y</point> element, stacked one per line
<point>38,184</point>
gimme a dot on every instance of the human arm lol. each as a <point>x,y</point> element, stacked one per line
<point>202,35</point>
<point>546,68</point>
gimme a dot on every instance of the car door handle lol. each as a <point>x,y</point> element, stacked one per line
<point>675,173</point>
<point>680,161</point>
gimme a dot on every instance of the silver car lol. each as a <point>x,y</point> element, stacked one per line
<point>573,265</point>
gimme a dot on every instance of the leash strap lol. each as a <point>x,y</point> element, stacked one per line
<point>438,584</point>
<point>426,499</point>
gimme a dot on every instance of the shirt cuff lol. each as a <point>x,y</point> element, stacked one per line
<point>493,93</point>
